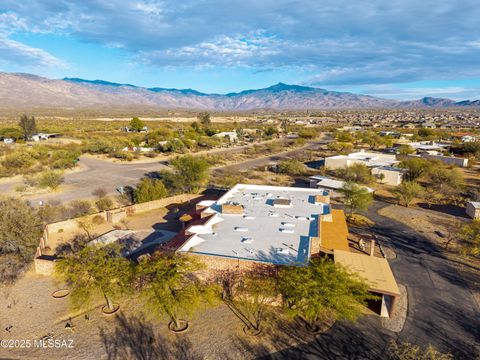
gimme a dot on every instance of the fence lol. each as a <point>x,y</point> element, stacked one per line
<point>44,264</point>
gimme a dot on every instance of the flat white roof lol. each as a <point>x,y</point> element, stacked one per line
<point>265,233</point>
<point>370,158</point>
<point>475,204</point>
<point>328,183</point>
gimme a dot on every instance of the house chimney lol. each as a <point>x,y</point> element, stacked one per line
<point>372,247</point>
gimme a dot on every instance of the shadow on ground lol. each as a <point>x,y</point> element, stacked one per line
<point>135,338</point>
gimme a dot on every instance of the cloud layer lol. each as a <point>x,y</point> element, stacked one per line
<point>340,42</point>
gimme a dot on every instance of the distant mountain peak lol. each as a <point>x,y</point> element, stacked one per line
<point>96,82</point>
<point>17,91</point>
<point>286,87</point>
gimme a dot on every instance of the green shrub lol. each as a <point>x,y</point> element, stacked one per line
<point>50,179</point>
<point>149,190</point>
<point>122,155</point>
<point>291,167</point>
<point>19,160</point>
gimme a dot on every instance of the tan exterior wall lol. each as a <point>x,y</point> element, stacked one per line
<point>71,224</point>
<point>45,266</point>
<point>156,204</point>
<point>217,263</point>
<point>335,163</point>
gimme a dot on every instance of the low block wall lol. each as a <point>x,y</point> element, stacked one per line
<point>44,265</point>
<point>157,204</point>
<point>72,224</point>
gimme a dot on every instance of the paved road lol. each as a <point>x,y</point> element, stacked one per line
<point>265,160</point>
<point>441,309</point>
<point>98,173</point>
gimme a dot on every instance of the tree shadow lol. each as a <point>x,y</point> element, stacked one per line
<point>134,338</point>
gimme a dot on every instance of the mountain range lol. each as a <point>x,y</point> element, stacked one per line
<point>27,91</point>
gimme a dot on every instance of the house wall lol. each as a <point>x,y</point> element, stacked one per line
<point>217,264</point>
<point>448,160</point>
<point>335,163</point>
<point>473,212</point>
<point>393,178</point>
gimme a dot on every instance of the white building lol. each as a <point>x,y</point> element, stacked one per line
<point>231,136</point>
<point>473,209</point>
<point>42,136</point>
<point>369,159</point>
<point>323,182</point>
<point>270,224</point>
<point>389,175</point>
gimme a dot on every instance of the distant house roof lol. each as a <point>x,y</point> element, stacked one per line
<point>475,204</point>
<point>391,168</point>
<point>328,183</point>
<point>375,270</point>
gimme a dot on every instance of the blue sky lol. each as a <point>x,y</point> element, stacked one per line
<point>397,49</point>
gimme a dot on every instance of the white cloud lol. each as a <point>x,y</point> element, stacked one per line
<point>20,54</point>
<point>149,8</point>
<point>255,49</point>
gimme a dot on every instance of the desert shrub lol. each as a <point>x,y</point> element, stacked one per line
<point>291,167</point>
<point>98,220</point>
<point>122,155</point>
<point>100,146</point>
<point>18,160</point>
<point>20,231</point>
<point>104,203</point>
<point>52,213</point>
<point>50,179</point>
<point>78,208</point>
<point>149,190</point>
<point>99,192</point>
<point>358,173</point>
<point>72,246</point>
<point>308,133</point>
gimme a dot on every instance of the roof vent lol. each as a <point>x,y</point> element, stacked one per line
<point>302,218</point>
<point>281,202</point>
<point>241,229</point>
<point>286,231</point>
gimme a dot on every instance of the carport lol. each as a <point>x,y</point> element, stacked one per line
<point>376,271</point>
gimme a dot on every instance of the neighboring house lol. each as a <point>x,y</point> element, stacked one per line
<point>429,125</point>
<point>389,133</point>
<point>42,136</point>
<point>369,159</point>
<point>323,182</point>
<point>231,136</point>
<point>427,146</point>
<point>465,137</point>
<point>138,149</point>
<point>8,141</point>
<point>449,160</point>
<point>129,129</point>
<point>473,209</point>
<point>389,175</point>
